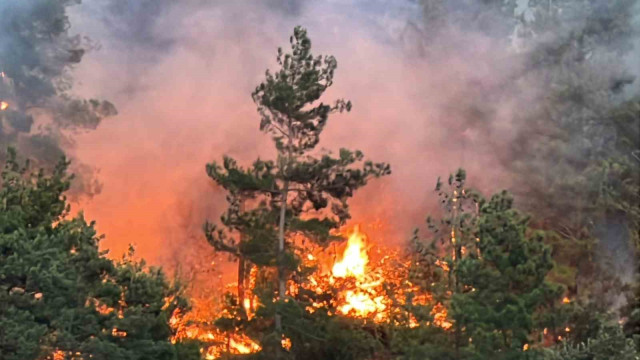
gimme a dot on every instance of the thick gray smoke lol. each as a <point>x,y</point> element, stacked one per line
<point>40,115</point>
<point>432,90</point>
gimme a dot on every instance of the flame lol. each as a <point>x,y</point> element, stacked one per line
<point>370,283</point>
<point>4,105</point>
<point>566,300</point>
<point>362,304</point>
<point>286,343</point>
<point>355,259</point>
<point>62,355</point>
<point>439,313</point>
<point>366,299</point>
<point>118,333</point>
<point>244,347</point>
<point>194,325</point>
<point>247,305</point>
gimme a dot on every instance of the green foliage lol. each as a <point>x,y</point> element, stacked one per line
<point>489,269</point>
<point>284,97</point>
<point>60,292</point>
<point>610,343</point>
<point>423,342</point>
<point>318,335</point>
<point>506,280</point>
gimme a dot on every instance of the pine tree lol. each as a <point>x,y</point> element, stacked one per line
<point>303,192</point>
<point>61,294</point>
<point>489,270</point>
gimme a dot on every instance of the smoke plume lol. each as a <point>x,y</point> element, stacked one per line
<point>432,91</point>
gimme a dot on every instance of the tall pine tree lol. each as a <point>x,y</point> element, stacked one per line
<point>303,192</point>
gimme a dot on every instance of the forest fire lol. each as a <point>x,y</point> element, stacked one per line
<point>368,283</point>
<point>194,325</point>
<point>232,179</point>
<point>363,300</point>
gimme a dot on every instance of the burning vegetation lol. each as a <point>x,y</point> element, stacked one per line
<point>484,284</point>
<point>479,284</point>
<point>365,281</point>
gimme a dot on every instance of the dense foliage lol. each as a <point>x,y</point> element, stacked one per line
<point>59,292</point>
<point>489,269</point>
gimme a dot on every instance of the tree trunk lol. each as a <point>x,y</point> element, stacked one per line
<point>283,214</point>
<point>241,277</point>
<point>457,256</point>
<point>281,272</point>
<point>241,267</point>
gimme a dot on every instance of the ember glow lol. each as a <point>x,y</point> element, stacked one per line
<point>196,325</point>
<point>63,355</point>
<point>369,282</point>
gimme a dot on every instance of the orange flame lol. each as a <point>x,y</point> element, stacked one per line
<point>355,259</point>
<point>118,333</point>
<point>363,301</point>
<point>4,105</point>
<point>193,325</point>
<point>362,304</point>
<point>370,286</point>
<point>286,343</point>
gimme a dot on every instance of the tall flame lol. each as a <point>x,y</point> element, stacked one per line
<point>355,258</point>
<point>364,300</point>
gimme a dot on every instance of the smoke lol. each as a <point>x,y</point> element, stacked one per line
<point>37,56</point>
<point>431,91</point>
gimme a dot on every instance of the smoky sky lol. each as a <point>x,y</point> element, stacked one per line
<point>181,74</point>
